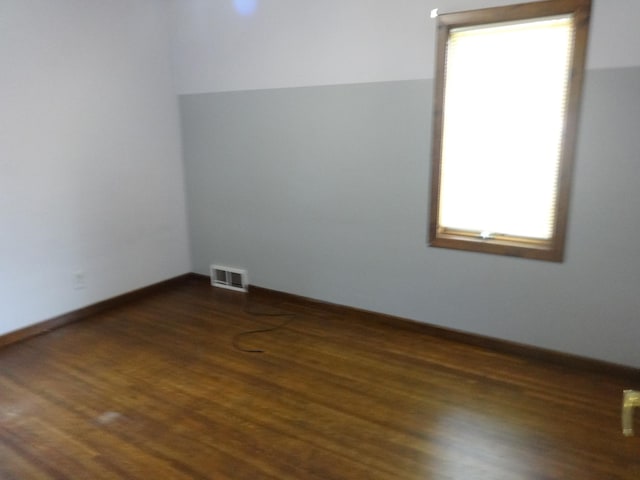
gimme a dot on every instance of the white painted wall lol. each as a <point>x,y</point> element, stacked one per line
<point>292,43</point>
<point>91,176</point>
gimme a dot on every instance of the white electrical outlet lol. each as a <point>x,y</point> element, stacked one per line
<point>79,280</point>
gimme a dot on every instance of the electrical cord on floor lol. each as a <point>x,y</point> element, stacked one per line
<point>236,339</point>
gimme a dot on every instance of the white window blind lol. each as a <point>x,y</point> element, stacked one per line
<point>504,112</point>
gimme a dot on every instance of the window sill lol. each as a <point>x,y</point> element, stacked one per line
<point>531,250</point>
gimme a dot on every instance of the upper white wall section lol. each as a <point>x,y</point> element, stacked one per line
<point>91,175</point>
<point>292,43</point>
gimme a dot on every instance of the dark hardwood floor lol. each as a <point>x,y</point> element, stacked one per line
<point>155,389</point>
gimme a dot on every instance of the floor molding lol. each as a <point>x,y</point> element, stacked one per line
<point>525,351</point>
<point>499,345</point>
<point>82,313</point>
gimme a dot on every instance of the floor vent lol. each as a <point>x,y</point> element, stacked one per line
<point>231,278</point>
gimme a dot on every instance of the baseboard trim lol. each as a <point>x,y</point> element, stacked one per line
<point>552,357</point>
<point>82,313</point>
<point>547,356</point>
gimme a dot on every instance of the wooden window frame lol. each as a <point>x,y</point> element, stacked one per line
<point>552,250</point>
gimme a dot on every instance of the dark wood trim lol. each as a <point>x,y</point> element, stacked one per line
<point>82,313</point>
<point>553,357</point>
<point>200,276</point>
<point>499,345</point>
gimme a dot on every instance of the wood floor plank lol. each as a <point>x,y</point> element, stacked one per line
<point>156,389</point>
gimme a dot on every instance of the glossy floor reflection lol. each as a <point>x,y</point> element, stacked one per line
<point>156,389</point>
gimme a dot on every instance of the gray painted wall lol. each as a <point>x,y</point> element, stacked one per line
<point>323,192</point>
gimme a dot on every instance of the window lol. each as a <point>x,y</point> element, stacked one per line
<point>507,94</point>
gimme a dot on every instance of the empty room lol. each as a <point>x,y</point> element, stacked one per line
<point>324,240</point>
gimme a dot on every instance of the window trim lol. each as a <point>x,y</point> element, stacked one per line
<point>552,250</point>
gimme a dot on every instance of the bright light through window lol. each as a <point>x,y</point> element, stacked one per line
<point>508,87</point>
<point>488,69</point>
